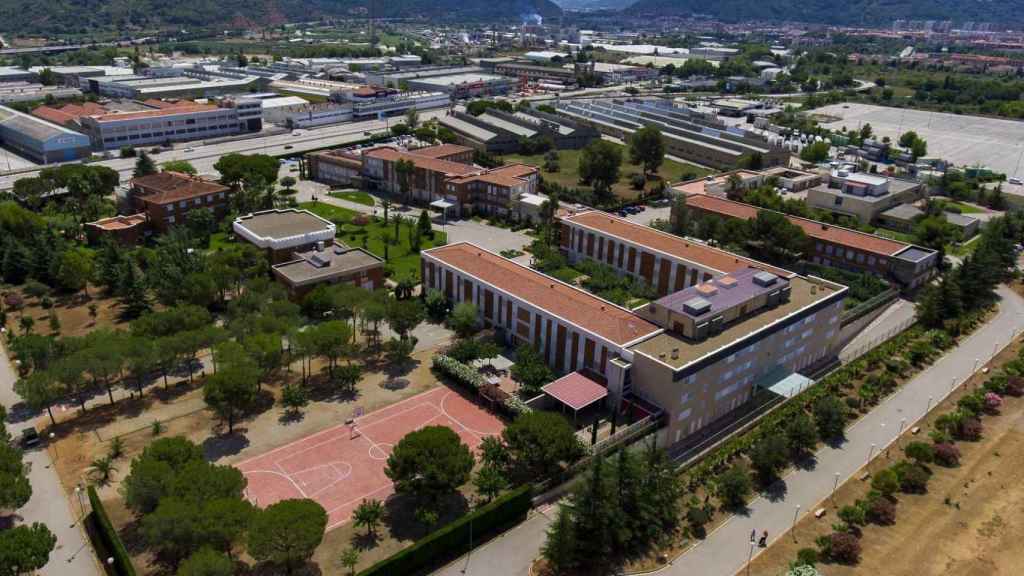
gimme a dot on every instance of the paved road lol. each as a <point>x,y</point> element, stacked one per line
<point>203,157</point>
<point>72,556</point>
<point>725,551</point>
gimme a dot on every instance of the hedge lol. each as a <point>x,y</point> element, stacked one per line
<point>453,539</point>
<point>111,540</point>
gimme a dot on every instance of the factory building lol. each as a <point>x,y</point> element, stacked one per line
<point>39,140</point>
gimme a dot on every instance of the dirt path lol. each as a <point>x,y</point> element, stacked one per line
<point>968,524</point>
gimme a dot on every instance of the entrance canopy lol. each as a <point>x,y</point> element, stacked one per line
<point>575,391</point>
<point>442,204</point>
<point>784,383</point>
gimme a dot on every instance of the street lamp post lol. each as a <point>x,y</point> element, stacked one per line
<point>835,486</point>
<point>750,556</point>
<point>795,514</point>
<point>871,452</point>
<point>929,406</point>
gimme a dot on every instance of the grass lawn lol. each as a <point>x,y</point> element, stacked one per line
<point>569,176</point>
<point>357,196</point>
<point>894,235</point>
<point>400,259</point>
<point>219,241</point>
<point>965,248</point>
<point>966,208</point>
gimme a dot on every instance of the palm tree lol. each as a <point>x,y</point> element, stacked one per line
<point>101,470</point>
<point>369,514</point>
<point>404,169</point>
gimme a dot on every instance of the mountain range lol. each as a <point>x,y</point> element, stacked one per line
<point>26,17</point>
<point>848,12</point>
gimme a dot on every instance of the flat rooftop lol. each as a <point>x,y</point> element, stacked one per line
<point>313,266</point>
<point>680,248</point>
<point>455,79</point>
<point>722,293</point>
<point>600,317</point>
<point>280,224</point>
<point>804,292</point>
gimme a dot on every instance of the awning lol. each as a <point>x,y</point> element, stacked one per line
<point>442,204</point>
<point>575,391</point>
<point>784,383</point>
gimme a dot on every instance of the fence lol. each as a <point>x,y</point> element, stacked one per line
<point>850,354</point>
<point>627,434</point>
<point>858,311</point>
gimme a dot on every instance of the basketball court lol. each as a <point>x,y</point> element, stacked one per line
<point>342,465</point>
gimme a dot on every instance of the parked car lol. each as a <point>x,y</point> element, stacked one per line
<point>29,437</point>
<point>288,146</point>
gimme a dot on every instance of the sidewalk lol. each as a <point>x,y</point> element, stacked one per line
<point>725,551</point>
<point>72,556</point>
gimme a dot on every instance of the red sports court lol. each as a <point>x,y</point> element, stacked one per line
<point>339,467</point>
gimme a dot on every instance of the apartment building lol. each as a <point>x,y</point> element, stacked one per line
<point>445,172</point>
<point>573,329</point>
<point>697,354</point>
<point>729,337</point>
<point>905,264</point>
<point>665,261</point>
<point>167,197</point>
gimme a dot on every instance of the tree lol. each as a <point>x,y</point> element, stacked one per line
<point>538,442</point>
<point>15,489</point>
<point>152,473</point>
<point>180,166</point>
<point>425,227</point>
<point>816,152</point>
<point>74,269</point>
<point>25,549</point>
<point>560,543</point>
<point>801,434</point>
<point>865,131</point>
<point>404,315</point>
<point>920,452</point>
<point>412,118</point>
<point>647,147</point>
<point>397,351</point>
<point>101,470</point>
<point>599,167</point>
<point>294,398</point>
<point>237,168</point>
<point>404,170</point>
<point>733,486</point>
<point>830,416</point>
<point>597,516</point>
<point>349,559</point>
<point>231,392</point>
<point>144,165</point>
<point>369,514</point>
<point>288,183</point>
<point>429,463</point>
<point>530,369</point>
<point>40,391</point>
<point>885,482</point>
<point>287,533</point>
<point>331,340</point>
<point>769,456</point>
<point>489,482</point>
<point>464,319</point>
<point>206,562</point>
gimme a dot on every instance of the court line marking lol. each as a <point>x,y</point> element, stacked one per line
<point>285,476</point>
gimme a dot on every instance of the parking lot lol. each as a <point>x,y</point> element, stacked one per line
<point>963,140</point>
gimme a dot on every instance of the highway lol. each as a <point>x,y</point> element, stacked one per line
<point>204,156</point>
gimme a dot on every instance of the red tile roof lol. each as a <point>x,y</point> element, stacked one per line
<point>575,391</point>
<point>675,246</point>
<point>813,229</point>
<point>119,222</point>
<point>169,187</point>
<point>442,151</point>
<point>68,112</point>
<point>422,162</point>
<point>583,309</point>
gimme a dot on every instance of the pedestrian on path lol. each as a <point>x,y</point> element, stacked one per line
<point>764,539</point>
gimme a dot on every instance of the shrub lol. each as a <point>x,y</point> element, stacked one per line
<point>972,403</point>
<point>806,557</point>
<point>453,539</point>
<point>971,429</point>
<point>881,511</point>
<point>992,403</point>
<point>947,454</point>
<point>697,517</point>
<point>1015,386</point>
<point>852,516</point>
<point>733,486</point>
<point>920,452</point>
<point>913,477</point>
<point>841,547</point>
<point>886,481</point>
<point>110,540</point>
<point>853,403</point>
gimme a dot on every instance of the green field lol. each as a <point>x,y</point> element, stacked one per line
<point>356,196</point>
<point>894,235</point>
<point>569,176</point>
<point>966,208</point>
<point>400,259</point>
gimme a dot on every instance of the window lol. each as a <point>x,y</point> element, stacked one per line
<point>170,219</point>
<point>871,260</point>
<point>839,201</point>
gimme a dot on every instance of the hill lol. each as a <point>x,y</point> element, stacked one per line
<point>25,17</point>
<point>851,12</point>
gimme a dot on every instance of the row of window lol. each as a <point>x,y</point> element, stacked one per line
<point>148,135</point>
<point>197,201</point>
<point>849,254</point>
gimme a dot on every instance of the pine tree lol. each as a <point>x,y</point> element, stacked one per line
<point>560,546</point>
<point>596,514</point>
<point>144,166</point>
<point>134,297</point>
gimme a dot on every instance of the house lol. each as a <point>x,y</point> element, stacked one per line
<point>333,263</point>
<point>167,197</point>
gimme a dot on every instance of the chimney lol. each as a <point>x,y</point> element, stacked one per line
<point>320,246</point>
<point>675,353</point>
